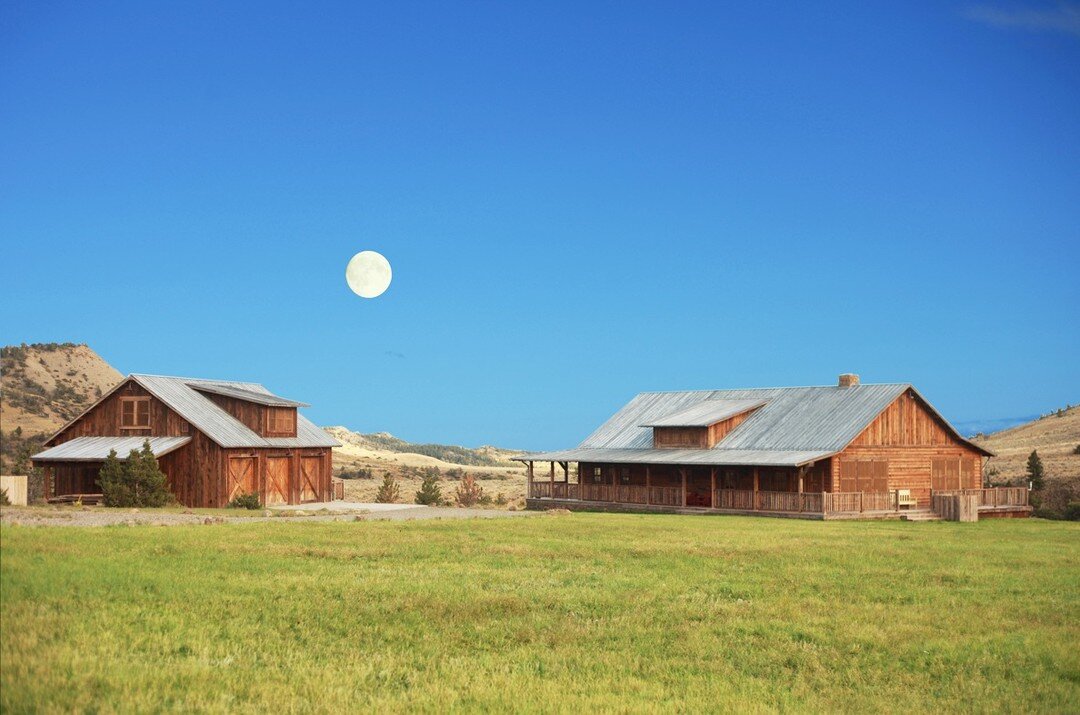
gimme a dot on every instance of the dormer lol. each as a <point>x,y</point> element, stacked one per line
<point>265,414</point>
<point>701,426</point>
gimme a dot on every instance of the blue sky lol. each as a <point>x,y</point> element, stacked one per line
<point>579,201</point>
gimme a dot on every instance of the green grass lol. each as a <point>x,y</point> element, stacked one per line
<point>587,611</point>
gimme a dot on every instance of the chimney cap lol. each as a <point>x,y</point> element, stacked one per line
<point>847,379</point>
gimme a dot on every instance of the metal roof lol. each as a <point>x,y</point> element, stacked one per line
<point>792,424</point>
<point>705,413</point>
<point>706,457</point>
<point>248,395</point>
<point>793,418</point>
<point>219,425</point>
<point>96,449</point>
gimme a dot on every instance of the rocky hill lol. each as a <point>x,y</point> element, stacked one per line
<point>1056,436</point>
<point>43,386</point>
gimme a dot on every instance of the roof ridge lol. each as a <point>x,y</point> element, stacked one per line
<point>780,387</point>
<point>193,379</point>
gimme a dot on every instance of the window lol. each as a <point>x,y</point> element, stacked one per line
<point>624,475</point>
<point>597,475</point>
<point>280,421</point>
<point>134,413</point>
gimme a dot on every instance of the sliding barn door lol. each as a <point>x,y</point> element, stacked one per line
<point>241,477</point>
<point>277,480</point>
<point>310,478</point>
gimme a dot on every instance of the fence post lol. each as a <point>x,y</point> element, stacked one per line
<point>860,502</point>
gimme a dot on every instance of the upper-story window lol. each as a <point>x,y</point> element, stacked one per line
<point>134,413</point>
<point>281,421</point>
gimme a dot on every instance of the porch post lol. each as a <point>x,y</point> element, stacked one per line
<point>648,485</point>
<point>566,471</point>
<point>529,471</point>
<point>802,471</point>
<point>551,479</point>
<point>682,471</point>
<point>48,471</point>
<point>712,487</point>
<point>757,504</point>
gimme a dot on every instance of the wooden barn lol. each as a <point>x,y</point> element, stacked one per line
<point>213,440</point>
<point>843,451</point>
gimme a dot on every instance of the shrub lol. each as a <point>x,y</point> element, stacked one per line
<point>429,492</point>
<point>1077,450</point>
<point>4,501</point>
<point>388,492</point>
<point>1072,512</point>
<point>469,493</point>
<point>359,473</point>
<point>244,501</point>
<point>135,482</point>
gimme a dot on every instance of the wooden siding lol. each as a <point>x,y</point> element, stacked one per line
<point>103,419</point>
<point>251,414</point>
<point>910,439</point>
<point>696,437</point>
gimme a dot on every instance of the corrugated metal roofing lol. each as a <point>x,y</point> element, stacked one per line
<point>735,457</point>
<point>705,413</point>
<point>96,449</point>
<point>219,425</point>
<point>793,418</point>
<point>249,395</point>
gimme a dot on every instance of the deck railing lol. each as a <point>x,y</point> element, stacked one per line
<point>992,497</point>
<point>749,500</point>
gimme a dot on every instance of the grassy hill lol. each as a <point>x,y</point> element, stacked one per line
<point>574,613</point>
<point>1056,437</point>
<point>47,384</point>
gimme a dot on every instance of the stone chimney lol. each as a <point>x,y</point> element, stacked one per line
<point>848,380</point>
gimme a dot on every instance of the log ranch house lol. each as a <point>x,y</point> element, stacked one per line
<point>844,451</point>
<point>214,440</point>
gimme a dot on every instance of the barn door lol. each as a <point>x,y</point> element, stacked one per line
<point>241,477</point>
<point>310,473</point>
<point>277,480</point>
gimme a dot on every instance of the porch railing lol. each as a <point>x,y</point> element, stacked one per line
<point>992,497</point>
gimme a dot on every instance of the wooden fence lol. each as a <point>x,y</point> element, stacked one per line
<point>956,507</point>
<point>992,497</point>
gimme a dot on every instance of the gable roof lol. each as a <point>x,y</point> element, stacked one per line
<point>182,395</point>
<point>793,426</point>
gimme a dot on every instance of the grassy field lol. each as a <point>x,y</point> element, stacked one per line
<point>609,612</point>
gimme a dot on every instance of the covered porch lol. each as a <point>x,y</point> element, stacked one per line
<point>71,468</point>
<point>799,492</point>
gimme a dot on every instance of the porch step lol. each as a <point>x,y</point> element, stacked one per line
<point>920,515</point>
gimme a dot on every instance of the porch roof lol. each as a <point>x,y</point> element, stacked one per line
<point>96,449</point>
<point>706,457</point>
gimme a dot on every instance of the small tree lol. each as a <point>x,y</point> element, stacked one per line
<point>430,493</point>
<point>469,493</point>
<point>113,481</point>
<point>135,482</point>
<point>389,492</point>
<point>1035,471</point>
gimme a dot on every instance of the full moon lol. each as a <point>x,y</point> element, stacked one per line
<point>368,274</point>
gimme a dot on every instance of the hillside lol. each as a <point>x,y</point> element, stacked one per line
<point>43,386</point>
<point>1055,436</point>
<point>366,457</point>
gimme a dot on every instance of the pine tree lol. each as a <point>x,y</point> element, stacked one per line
<point>389,492</point>
<point>147,479</point>
<point>112,479</point>
<point>1035,471</point>
<point>430,493</point>
<point>469,493</point>
<point>135,482</point>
